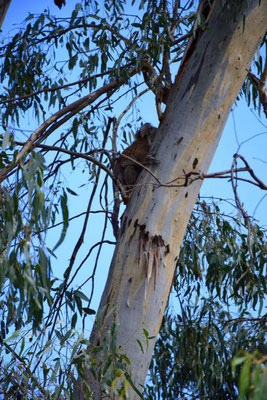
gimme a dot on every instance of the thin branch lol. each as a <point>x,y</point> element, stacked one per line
<point>56,308</point>
<point>142,166</point>
<point>21,360</point>
<point>69,220</point>
<point>83,261</point>
<point>261,185</point>
<point>116,122</point>
<point>128,107</point>
<point>81,238</point>
<point>54,122</point>
<point>182,38</point>
<point>251,320</point>
<point>102,26</point>
<point>48,90</point>
<point>78,155</point>
<point>97,259</point>
<point>188,180</point>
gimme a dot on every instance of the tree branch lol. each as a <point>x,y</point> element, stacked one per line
<point>52,123</point>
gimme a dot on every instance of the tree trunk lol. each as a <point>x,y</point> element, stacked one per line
<point>4,4</point>
<point>141,273</point>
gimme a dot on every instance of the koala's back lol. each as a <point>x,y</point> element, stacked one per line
<point>125,168</point>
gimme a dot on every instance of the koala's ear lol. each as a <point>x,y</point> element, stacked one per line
<point>144,130</point>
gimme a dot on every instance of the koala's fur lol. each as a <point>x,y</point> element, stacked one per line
<point>125,169</point>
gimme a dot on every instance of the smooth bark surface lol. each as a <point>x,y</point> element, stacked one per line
<point>156,218</point>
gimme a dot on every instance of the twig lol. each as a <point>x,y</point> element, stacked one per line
<point>103,25</point>
<point>27,369</point>
<point>47,90</point>
<point>77,155</point>
<point>143,167</point>
<point>65,114</point>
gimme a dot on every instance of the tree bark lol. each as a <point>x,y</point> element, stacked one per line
<point>4,4</point>
<point>154,223</point>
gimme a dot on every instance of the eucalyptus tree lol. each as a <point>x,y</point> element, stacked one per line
<point>4,4</point>
<point>192,63</point>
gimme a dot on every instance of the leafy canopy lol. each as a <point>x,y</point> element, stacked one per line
<point>68,85</point>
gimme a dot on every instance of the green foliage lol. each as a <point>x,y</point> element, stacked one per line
<point>96,46</point>
<point>101,47</point>
<point>53,73</point>
<point>218,290</point>
<point>108,366</point>
<point>58,373</point>
<point>253,375</point>
<point>197,346</point>
<point>24,263</point>
<point>231,258</point>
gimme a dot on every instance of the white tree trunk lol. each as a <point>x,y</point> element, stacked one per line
<point>156,218</point>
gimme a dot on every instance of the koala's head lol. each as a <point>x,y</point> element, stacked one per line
<point>147,131</point>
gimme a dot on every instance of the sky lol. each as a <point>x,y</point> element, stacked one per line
<point>244,132</point>
<point>242,125</point>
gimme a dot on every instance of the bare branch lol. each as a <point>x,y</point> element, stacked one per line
<point>48,90</point>
<point>102,26</point>
<point>78,155</point>
<point>52,123</point>
<point>22,362</point>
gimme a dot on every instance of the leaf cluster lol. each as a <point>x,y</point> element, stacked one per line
<point>48,66</point>
<point>219,291</point>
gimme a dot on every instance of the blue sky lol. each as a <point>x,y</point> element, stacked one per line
<point>243,126</point>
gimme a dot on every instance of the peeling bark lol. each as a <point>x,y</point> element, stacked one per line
<point>151,256</point>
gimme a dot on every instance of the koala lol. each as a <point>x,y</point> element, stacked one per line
<point>125,169</point>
